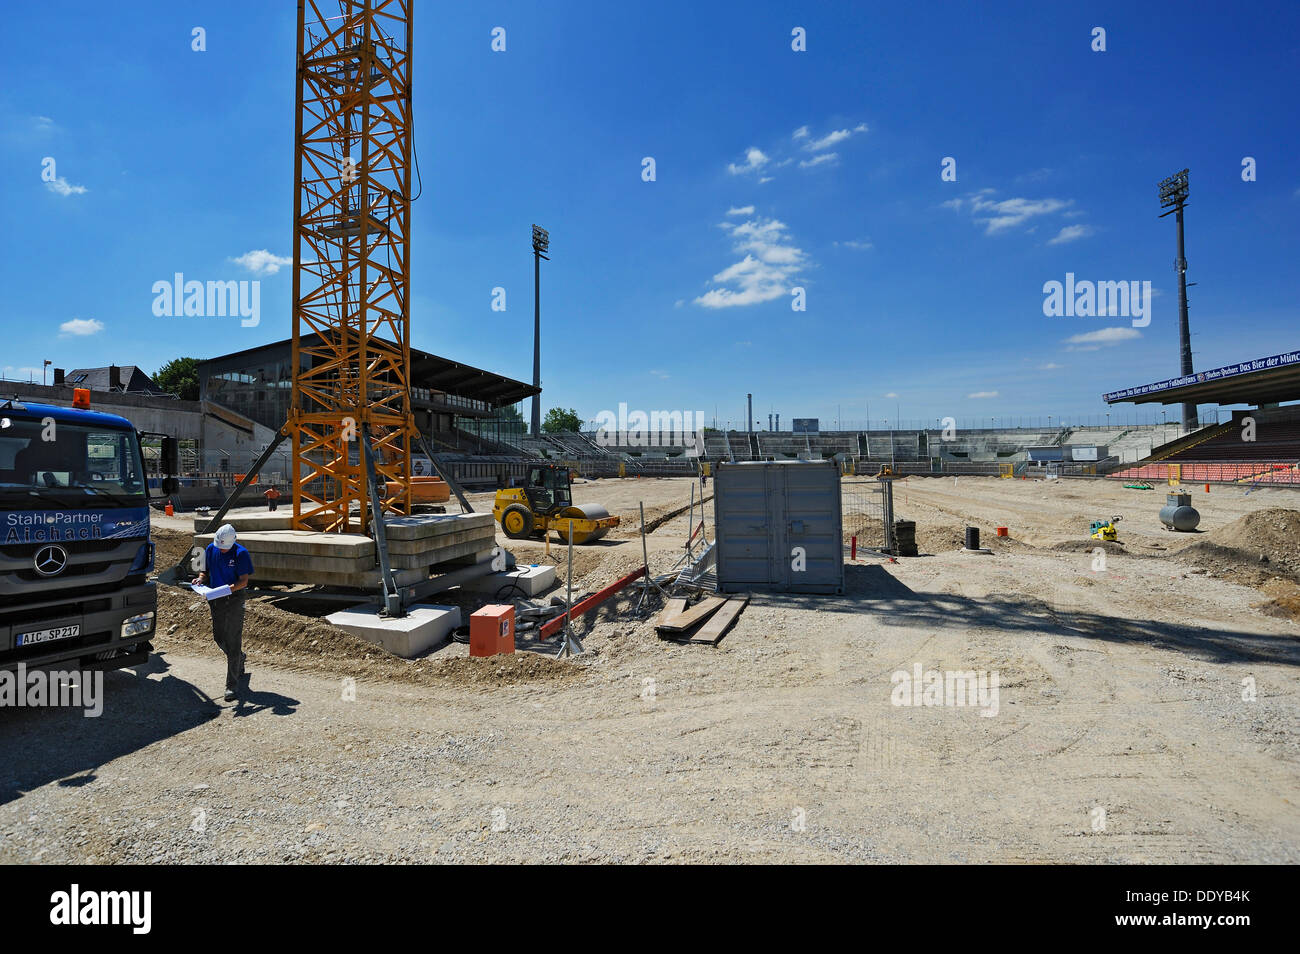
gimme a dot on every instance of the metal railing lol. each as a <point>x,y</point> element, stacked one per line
<point>1266,473</point>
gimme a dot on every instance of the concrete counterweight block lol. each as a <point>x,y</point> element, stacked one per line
<point>423,627</point>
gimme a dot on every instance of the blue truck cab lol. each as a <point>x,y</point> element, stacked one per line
<point>75,551</point>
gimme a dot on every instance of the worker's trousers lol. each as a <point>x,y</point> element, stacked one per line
<point>228,633</point>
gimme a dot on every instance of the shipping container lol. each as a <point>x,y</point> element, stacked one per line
<point>778,526</point>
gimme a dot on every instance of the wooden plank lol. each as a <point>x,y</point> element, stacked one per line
<point>713,631</point>
<point>675,606</point>
<point>684,621</point>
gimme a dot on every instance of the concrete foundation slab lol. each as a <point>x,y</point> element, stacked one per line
<point>425,526</point>
<point>249,521</point>
<point>425,626</point>
<point>530,579</point>
<point>441,555</point>
<point>457,535</point>
<point>346,546</point>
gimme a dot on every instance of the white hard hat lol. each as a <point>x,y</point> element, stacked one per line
<point>225,537</point>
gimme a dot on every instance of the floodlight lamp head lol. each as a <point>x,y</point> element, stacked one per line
<point>1173,190</point>
<point>541,239</point>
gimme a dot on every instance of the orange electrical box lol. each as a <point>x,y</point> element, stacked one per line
<point>492,630</point>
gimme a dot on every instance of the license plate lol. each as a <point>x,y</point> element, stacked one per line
<point>48,635</point>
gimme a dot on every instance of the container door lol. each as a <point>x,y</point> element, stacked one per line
<point>743,531</point>
<point>812,523</point>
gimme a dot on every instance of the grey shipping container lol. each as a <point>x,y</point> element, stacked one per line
<point>763,511</point>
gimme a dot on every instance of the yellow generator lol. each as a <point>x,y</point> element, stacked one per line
<point>1105,529</point>
<point>545,503</point>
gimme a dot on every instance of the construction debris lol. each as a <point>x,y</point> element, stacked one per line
<point>711,633</point>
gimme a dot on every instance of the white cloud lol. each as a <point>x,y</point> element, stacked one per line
<point>818,160</point>
<point>1070,233</point>
<point>62,186</point>
<point>1050,366</point>
<point>800,133</point>
<point>998,215</point>
<point>755,159</point>
<point>662,375</point>
<point>81,327</point>
<point>764,273</point>
<point>830,139</point>
<point>982,394</point>
<point>764,179</point>
<point>1093,340</point>
<point>864,245</point>
<point>891,394</point>
<point>741,210</point>
<point>262,262</point>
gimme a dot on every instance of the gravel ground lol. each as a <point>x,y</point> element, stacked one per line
<point>1146,712</point>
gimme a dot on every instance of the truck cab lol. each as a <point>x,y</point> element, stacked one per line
<point>74,539</point>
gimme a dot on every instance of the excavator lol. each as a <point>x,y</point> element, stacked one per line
<point>545,503</point>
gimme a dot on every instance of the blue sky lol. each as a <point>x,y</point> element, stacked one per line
<point>774,169</point>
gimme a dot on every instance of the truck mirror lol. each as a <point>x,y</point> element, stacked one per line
<point>171,456</point>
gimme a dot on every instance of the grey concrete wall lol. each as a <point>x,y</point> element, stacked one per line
<point>180,419</point>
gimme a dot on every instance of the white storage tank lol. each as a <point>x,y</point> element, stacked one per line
<point>778,526</point>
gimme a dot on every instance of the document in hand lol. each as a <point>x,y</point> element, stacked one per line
<point>211,592</point>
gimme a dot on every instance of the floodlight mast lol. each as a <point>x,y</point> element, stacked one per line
<point>541,245</point>
<point>1173,196</point>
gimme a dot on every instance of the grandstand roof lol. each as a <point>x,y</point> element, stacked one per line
<point>427,371</point>
<point>1268,380</point>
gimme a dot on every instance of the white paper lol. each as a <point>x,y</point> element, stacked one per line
<point>211,592</point>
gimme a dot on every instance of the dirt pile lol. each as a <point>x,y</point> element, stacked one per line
<point>1252,549</point>
<point>169,547</point>
<point>299,642</point>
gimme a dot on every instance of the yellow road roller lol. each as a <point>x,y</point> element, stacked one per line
<point>545,503</point>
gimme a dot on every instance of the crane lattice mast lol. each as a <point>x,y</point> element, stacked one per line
<point>351,324</point>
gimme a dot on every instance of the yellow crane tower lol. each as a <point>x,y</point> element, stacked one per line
<point>350,410</point>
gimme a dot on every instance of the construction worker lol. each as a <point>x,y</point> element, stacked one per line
<point>226,563</point>
<point>272,495</point>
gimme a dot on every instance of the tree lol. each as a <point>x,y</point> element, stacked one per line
<point>180,376</point>
<point>560,419</point>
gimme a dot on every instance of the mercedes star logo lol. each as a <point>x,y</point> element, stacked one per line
<point>51,560</point>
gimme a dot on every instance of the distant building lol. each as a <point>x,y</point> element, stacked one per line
<point>126,379</point>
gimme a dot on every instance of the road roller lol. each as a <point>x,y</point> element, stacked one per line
<point>545,503</point>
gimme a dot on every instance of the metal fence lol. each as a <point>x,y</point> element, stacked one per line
<point>867,514</point>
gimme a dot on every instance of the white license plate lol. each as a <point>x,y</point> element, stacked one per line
<point>48,635</point>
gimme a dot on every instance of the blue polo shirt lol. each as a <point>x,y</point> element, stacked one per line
<point>226,568</point>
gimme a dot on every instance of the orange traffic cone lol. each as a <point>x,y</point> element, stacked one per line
<point>169,509</point>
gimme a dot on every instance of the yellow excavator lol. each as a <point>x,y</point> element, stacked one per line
<point>545,503</point>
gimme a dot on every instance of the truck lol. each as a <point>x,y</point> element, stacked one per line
<point>75,547</point>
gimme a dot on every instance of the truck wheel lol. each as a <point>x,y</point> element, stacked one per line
<point>517,522</point>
